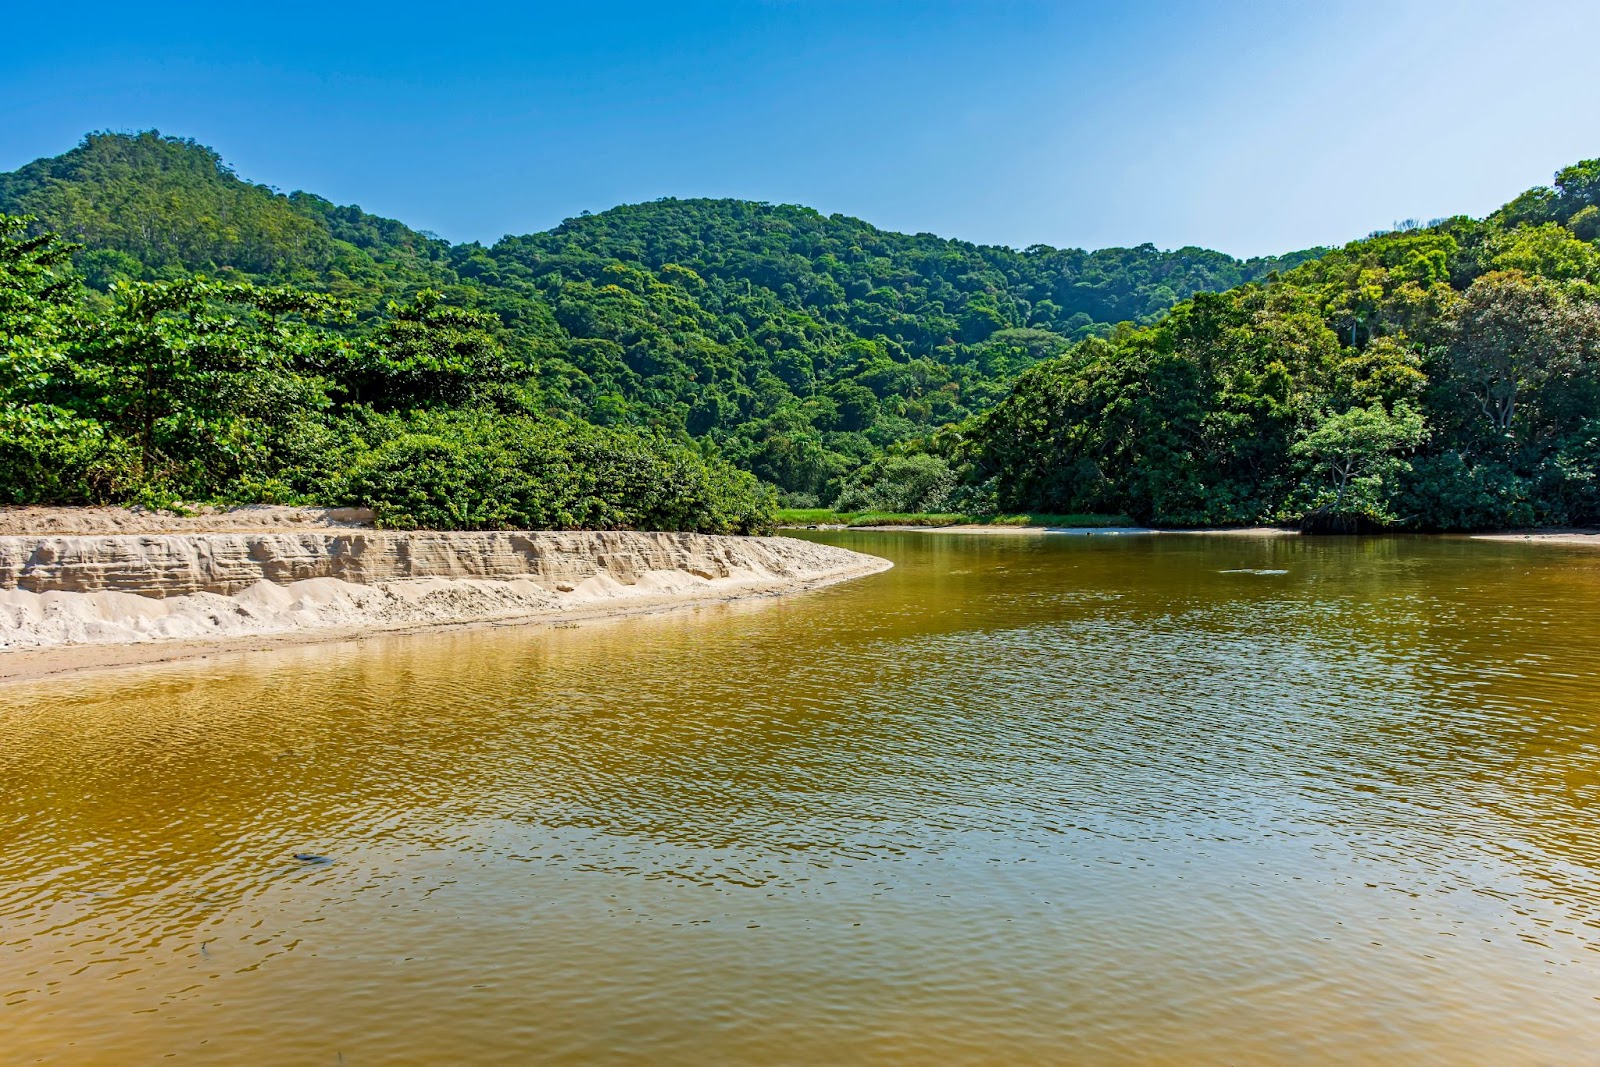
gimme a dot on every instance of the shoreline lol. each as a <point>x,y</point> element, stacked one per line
<point>1555,536</point>
<point>1069,531</point>
<point>1585,537</point>
<point>72,602</point>
<point>37,664</point>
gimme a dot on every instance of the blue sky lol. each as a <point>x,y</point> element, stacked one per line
<point>1249,127</point>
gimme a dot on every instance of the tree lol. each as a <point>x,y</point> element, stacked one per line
<point>36,289</point>
<point>1352,460</point>
<point>1549,251</point>
<point>47,451</point>
<point>426,353</point>
<point>175,366</point>
<point>1578,187</point>
<point>912,483</point>
<point>1511,336</point>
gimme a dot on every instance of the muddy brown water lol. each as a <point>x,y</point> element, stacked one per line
<point>1019,800</point>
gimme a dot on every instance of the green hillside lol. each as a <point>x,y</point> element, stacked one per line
<point>1438,377</point>
<point>801,345</point>
<point>191,334</point>
<point>146,208</point>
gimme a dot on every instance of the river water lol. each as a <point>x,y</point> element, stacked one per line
<point>1022,799</point>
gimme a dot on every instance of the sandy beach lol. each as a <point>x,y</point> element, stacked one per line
<point>1575,536</point>
<point>1081,531</point>
<point>81,600</point>
<point>1590,538</point>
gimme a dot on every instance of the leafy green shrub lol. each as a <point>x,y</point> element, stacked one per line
<point>1569,480</point>
<point>918,483</point>
<point>53,457</point>
<point>1446,492</point>
<point>421,481</point>
<point>482,471</point>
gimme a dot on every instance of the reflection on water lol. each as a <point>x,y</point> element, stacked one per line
<point>1156,800</point>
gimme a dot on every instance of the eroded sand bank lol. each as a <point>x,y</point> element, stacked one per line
<point>73,601</point>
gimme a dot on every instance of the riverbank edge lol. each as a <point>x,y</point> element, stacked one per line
<point>32,665</point>
<point>1076,531</point>
<point>26,664</point>
<point>1556,536</point>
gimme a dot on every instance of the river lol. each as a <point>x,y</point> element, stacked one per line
<point>1037,799</point>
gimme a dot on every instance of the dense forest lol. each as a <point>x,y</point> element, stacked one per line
<point>794,345</point>
<point>171,332</point>
<point>1436,377</point>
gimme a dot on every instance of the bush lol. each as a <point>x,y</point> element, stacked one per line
<point>1569,480</point>
<point>480,471</point>
<point>919,483</point>
<point>798,501</point>
<point>1448,493</point>
<point>54,458</point>
<point>421,481</point>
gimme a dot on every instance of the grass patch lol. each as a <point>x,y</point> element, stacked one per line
<point>828,517</point>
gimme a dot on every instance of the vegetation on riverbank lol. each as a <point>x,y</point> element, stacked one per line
<point>1436,377</point>
<point>773,339</point>
<point>227,391</point>
<point>168,331</point>
<point>792,517</point>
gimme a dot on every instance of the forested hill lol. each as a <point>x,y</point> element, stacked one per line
<point>1436,377</point>
<point>147,207</point>
<point>920,291</point>
<point>208,338</point>
<point>801,344</point>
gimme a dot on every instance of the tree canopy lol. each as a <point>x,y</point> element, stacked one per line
<point>172,329</point>
<point>802,345</point>
<point>1437,377</point>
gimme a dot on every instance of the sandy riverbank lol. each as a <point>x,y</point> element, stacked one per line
<point>1075,531</point>
<point>1590,538</point>
<point>1587,537</point>
<point>69,602</point>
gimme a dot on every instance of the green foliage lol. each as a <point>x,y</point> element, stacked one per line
<point>36,300</point>
<point>1453,491</point>
<point>802,345</point>
<point>914,483</point>
<point>1352,461</point>
<point>207,336</point>
<point>49,452</point>
<point>165,203</point>
<point>1524,351</point>
<point>197,389</point>
<point>479,471</point>
<point>195,374</point>
<point>51,456</point>
<point>424,354</point>
<point>1443,377</point>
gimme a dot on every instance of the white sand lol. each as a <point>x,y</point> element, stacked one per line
<point>1589,538</point>
<point>77,602</point>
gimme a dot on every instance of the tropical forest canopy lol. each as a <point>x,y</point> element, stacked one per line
<point>169,331</point>
<point>1436,377</point>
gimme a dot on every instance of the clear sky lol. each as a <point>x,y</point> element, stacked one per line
<point>1249,127</point>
